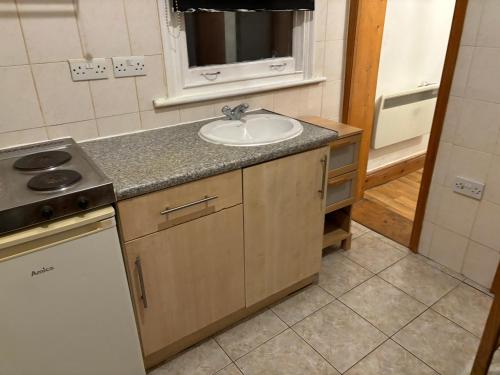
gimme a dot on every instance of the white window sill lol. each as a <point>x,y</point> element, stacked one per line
<point>168,102</point>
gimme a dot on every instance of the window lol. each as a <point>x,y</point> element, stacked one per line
<point>217,54</point>
<point>233,37</point>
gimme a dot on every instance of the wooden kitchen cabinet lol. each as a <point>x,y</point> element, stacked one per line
<point>343,178</point>
<point>203,255</point>
<point>187,277</point>
<point>284,202</point>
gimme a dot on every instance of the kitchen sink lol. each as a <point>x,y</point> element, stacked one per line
<point>251,130</point>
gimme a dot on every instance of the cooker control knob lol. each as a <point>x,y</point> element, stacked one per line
<point>47,212</point>
<point>83,203</point>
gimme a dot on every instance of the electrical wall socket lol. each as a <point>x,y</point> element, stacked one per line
<point>129,66</point>
<point>84,70</point>
<point>469,188</point>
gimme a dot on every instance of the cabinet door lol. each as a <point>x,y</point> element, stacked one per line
<point>284,202</point>
<point>187,277</point>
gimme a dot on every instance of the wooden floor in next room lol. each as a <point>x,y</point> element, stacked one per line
<point>389,208</point>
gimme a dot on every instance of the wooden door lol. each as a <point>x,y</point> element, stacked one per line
<point>192,275</point>
<point>283,217</point>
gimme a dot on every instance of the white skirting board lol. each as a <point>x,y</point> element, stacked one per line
<point>404,115</point>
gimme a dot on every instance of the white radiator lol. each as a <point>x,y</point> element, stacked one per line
<point>404,115</point>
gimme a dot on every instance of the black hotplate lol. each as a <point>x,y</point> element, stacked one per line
<point>54,180</point>
<point>42,160</point>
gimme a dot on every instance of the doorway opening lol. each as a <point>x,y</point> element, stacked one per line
<point>401,57</point>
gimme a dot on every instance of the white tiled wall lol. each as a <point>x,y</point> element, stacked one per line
<point>39,101</point>
<point>459,232</point>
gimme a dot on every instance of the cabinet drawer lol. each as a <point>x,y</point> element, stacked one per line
<point>341,191</point>
<point>166,208</point>
<point>344,155</point>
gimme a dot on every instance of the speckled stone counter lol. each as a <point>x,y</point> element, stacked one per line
<point>144,162</point>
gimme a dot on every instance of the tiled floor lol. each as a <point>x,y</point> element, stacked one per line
<point>377,309</point>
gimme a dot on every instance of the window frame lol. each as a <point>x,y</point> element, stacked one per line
<point>185,84</point>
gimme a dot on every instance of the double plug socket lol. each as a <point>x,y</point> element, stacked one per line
<point>98,68</point>
<point>469,188</point>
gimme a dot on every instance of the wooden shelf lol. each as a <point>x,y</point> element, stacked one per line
<point>334,236</point>
<point>336,228</point>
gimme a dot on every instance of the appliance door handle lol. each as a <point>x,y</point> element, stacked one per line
<point>323,178</point>
<point>144,298</point>
<point>174,209</point>
<point>36,239</point>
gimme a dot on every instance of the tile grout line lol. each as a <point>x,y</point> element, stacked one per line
<point>220,346</point>
<point>476,287</point>
<point>32,74</point>
<point>225,367</point>
<point>454,323</point>
<point>258,346</point>
<point>315,311</point>
<point>366,320</point>
<point>386,336</point>
<point>457,324</point>
<point>411,321</point>
<point>371,351</point>
<point>83,46</point>
<point>376,273</point>
<point>425,363</point>
<point>416,317</point>
<point>309,345</point>
<point>395,286</point>
<point>136,88</point>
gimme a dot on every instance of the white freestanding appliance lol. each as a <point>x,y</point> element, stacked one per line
<point>65,306</point>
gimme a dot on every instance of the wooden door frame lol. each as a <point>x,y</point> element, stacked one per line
<point>364,42</point>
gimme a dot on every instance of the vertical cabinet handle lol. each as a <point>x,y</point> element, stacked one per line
<point>138,265</point>
<point>323,179</point>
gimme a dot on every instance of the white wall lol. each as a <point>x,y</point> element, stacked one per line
<point>39,101</point>
<point>414,45</point>
<point>460,232</point>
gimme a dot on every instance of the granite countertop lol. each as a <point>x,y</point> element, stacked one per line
<point>145,162</point>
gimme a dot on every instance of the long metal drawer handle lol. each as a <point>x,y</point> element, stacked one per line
<point>323,179</point>
<point>138,265</point>
<point>173,209</point>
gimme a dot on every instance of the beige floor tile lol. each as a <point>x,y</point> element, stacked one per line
<point>339,274</point>
<point>302,304</point>
<point>357,229</point>
<point>495,364</point>
<point>390,359</point>
<point>392,243</point>
<point>383,305</point>
<point>440,267</point>
<point>205,358</point>
<point>246,336</point>
<point>286,354</point>
<point>467,307</point>
<point>446,347</point>
<point>477,286</point>
<point>373,253</point>
<point>420,280</point>
<point>230,370</point>
<point>339,335</point>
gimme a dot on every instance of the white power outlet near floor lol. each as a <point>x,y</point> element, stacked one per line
<point>129,66</point>
<point>469,188</point>
<point>85,70</point>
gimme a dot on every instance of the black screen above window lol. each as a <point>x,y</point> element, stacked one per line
<point>236,5</point>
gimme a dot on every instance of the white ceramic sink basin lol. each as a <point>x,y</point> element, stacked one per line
<point>251,130</point>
